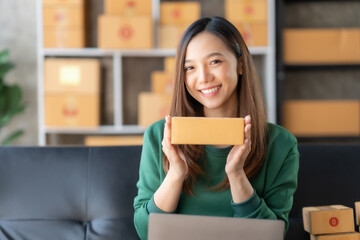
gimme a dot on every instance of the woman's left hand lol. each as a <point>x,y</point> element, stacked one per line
<point>239,153</point>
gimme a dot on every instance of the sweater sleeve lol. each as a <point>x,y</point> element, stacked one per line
<point>276,200</point>
<point>150,178</point>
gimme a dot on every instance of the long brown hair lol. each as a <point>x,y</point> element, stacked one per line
<point>249,97</point>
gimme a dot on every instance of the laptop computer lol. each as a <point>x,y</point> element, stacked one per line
<point>191,227</point>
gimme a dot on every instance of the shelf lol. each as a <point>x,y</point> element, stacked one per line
<point>127,129</point>
<point>308,1</point>
<point>328,139</point>
<point>97,52</point>
<point>320,66</point>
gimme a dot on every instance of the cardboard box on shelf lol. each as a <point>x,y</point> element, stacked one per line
<point>71,110</point>
<point>63,2</point>
<point>357,212</point>
<point>162,82</point>
<point>179,12</point>
<point>152,107</point>
<point>328,219</point>
<point>341,236</point>
<point>169,64</point>
<point>246,10</point>
<point>125,32</point>
<point>322,117</point>
<point>125,140</point>
<point>63,15</point>
<point>128,7</point>
<point>254,33</point>
<point>321,46</point>
<point>170,35</point>
<point>61,37</point>
<point>195,130</point>
<point>71,75</point>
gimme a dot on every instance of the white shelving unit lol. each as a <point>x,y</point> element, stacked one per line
<point>268,53</point>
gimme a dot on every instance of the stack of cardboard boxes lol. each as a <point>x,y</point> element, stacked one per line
<point>64,23</point>
<point>175,17</point>
<point>322,117</point>
<point>126,24</point>
<point>335,222</point>
<point>155,105</point>
<point>72,92</point>
<point>250,18</point>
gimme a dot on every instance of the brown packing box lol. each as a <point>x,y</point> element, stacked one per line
<point>341,236</point>
<point>179,12</point>
<point>357,212</point>
<point>125,32</point>
<point>62,2</point>
<point>153,107</point>
<point>246,10</point>
<point>169,64</point>
<point>254,33</point>
<point>71,110</point>
<point>63,15</point>
<point>127,140</point>
<point>328,219</point>
<point>62,37</point>
<point>321,46</point>
<point>162,82</point>
<point>71,75</point>
<point>170,35</point>
<point>128,7</point>
<point>204,130</point>
<point>322,118</point>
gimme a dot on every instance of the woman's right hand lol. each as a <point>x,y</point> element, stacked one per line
<point>177,164</point>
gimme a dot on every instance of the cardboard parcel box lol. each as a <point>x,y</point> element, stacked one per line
<point>72,92</point>
<point>128,7</point>
<point>63,37</point>
<point>321,46</point>
<point>153,107</point>
<point>328,219</point>
<point>125,32</point>
<point>179,12</point>
<point>170,35</point>
<point>63,15</point>
<point>341,236</point>
<point>63,2</point>
<point>254,33</point>
<point>204,130</point>
<point>246,10</point>
<point>162,82</point>
<point>357,211</point>
<point>322,118</point>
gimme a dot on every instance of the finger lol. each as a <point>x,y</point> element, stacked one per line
<point>248,132</point>
<point>167,128</point>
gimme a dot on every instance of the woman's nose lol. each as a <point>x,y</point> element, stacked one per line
<point>204,75</point>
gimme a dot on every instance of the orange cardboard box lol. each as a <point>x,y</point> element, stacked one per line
<point>71,110</point>
<point>254,33</point>
<point>321,46</point>
<point>357,212</point>
<point>71,75</point>
<point>179,12</point>
<point>204,130</point>
<point>153,107</point>
<point>328,219</point>
<point>341,236</point>
<point>62,2</point>
<point>63,15</point>
<point>62,37</point>
<point>162,82</point>
<point>126,140</point>
<point>128,7</point>
<point>125,32</point>
<point>246,10</point>
<point>322,118</point>
<point>169,64</point>
<point>170,35</point>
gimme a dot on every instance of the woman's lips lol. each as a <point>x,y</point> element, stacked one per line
<point>210,91</point>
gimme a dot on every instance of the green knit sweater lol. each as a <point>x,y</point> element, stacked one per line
<point>274,184</point>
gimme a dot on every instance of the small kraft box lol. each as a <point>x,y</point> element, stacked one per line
<point>63,37</point>
<point>179,13</point>
<point>63,15</point>
<point>125,32</point>
<point>170,35</point>
<point>128,7</point>
<point>254,33</point>
<point>341,236</point>
<point>316,118</point>
<point>162,82</point>
<point>321,46</point>
<point>246,10</point>
<point>72,92</point>
<point>169,64</point>
<point>204,130</point>
<point>152,107</point>
<point>328,219</point>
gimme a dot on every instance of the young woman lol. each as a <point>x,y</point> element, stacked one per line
<point>216,77</point>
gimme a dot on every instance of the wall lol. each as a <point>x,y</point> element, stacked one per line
<point>18,34</point>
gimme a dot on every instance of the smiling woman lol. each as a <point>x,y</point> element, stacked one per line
<point>216,77</point>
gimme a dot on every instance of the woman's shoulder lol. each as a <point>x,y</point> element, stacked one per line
<point>156,129</point>
<point>279,134</point>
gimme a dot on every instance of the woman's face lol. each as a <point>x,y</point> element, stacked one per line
<point>211,75</point>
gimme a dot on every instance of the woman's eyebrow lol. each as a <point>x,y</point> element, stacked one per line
<point>208,56</point>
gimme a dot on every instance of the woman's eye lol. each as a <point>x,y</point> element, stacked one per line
<point>189,68</point>
<point>215,61</point>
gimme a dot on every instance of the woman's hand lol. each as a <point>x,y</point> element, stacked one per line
<point>177,163</point>
<point>240,187</point>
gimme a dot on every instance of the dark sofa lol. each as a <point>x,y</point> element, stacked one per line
<point>87,193</point>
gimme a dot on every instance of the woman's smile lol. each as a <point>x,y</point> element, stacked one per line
<point>211,91</point>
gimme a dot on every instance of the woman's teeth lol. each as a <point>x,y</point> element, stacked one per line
<point>211,90</point>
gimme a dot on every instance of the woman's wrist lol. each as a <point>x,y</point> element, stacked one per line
<point>240,187</point>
